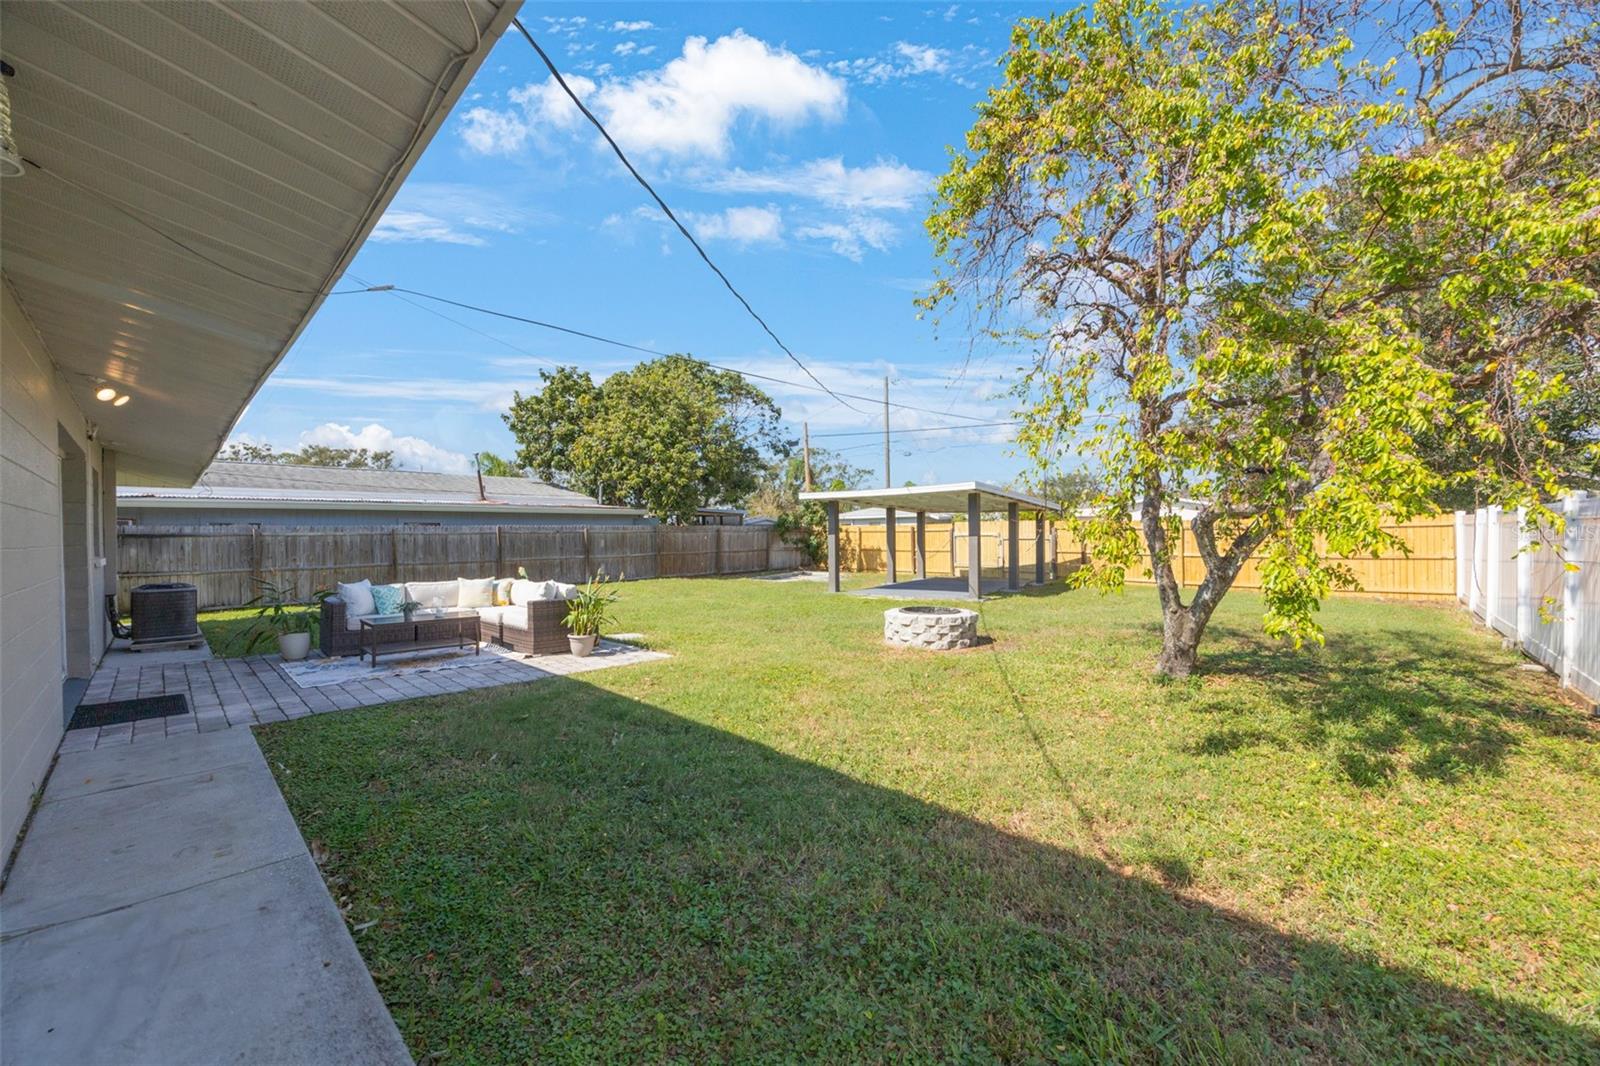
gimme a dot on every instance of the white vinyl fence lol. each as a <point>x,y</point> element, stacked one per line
<point>1517,580</point>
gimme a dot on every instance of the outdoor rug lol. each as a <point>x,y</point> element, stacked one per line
<point>315,673</point>
<point>89,715</point>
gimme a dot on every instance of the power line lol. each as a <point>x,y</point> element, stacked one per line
<point>615,147</point>
<point>454,321</point>
<point>921,429</point>
<point>645,350</point>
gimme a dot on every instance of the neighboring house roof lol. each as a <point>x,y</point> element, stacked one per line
<point>204,173</point>
<point>279,486</point>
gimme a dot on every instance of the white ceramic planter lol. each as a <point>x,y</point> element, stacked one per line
<point>582,646</point>
<point>294,646</point>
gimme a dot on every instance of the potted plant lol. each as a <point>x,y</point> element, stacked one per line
<point>408,607</point>
<point>588,610</point>
<point>279,616</point>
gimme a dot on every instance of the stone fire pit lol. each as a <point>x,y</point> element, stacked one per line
<point>934,628</point>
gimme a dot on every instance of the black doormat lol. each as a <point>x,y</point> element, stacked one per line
<point>117,711</point>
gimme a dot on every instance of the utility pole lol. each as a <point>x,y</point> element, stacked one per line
<point>886,482</point>
<point>805,436</point>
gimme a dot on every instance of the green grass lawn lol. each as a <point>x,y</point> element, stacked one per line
<point>789,841</point>
<point>226,632</point>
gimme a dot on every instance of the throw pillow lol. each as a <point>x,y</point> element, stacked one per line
<point>523,592</point>
<point>473,592</point>
<point>386,599</point>
<point>502,591</point>
<point>556,590</point>
<point>357,597</point>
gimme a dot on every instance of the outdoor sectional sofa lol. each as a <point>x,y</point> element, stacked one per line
<point>531,622</point>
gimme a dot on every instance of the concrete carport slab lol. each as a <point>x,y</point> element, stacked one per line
<point>164,909</point>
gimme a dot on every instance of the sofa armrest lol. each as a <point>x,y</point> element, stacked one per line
<point>331,626</point>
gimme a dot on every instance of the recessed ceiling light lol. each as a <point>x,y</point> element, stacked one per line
<point>104,393</point>
<point>120,400</point>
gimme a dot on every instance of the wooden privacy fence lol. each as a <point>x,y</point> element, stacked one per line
<point>1428,572</point>
<point>226,563</point>
<point>863,549</point>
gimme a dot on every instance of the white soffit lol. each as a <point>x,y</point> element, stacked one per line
<point>951,497</point>
<point>268,136</point>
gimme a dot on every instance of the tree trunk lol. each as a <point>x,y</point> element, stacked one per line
<point>1181,629</point>
<point>1182,625</point>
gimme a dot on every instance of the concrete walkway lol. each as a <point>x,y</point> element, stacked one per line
<point>164,910</point>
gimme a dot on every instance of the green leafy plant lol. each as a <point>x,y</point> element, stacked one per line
<point>590,608</point>
<point>278,613</point>
<point>409,606</point>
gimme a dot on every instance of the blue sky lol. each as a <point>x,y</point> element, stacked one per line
<point>800,140</point>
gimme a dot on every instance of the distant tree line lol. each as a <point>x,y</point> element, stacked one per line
<point>309,455</point>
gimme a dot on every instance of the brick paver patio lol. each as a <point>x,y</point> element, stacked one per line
<point>255,690</point>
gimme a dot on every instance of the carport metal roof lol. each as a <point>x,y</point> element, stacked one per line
<point>952,497</point>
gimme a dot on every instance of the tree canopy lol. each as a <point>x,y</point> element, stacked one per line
<point>670,435</point>
<point>309,455</point>
<point>1257,270</point>
<point>491,465</point>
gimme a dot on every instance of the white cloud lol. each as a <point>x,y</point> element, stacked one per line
<point>448,213</point>
<point>688,107</point>
<point>413,453</point>
<point>492,132</point>
<point>742,225</point>
<point>403,226</point>
<point>566,26</point>
<point>548,104</point>
<point>633,48</point>
<point>885,184</point>
<point>851,237</point>
<point>903,60</point>
<point>632,27</point>
<point>923,59</point>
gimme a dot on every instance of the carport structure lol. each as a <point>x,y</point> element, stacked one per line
<point>976,497</point>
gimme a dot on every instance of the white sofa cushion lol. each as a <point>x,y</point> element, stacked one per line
<point>524,592</point>
<point>473,592</point>
<point>425,592</point>
<point>357,598</point>
<point>557,590</point>
<point>493,617</point>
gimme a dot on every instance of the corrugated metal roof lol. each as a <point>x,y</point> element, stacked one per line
<point>265,137</point>
<point>273,483</point>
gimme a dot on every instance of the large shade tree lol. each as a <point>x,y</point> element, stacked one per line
<point>1257,270</point>
<point>670,435</point>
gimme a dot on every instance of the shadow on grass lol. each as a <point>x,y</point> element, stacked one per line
<point>1382,703</point>
<point>562,872</point>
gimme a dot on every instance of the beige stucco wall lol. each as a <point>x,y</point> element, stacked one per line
<point>40,634</point>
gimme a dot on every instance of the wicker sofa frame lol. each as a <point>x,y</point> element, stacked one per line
<point>546,633</point>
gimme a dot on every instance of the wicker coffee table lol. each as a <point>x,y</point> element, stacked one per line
<point>386,634</point>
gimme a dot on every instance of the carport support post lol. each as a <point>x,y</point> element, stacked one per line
<point>974,548</point>
<point>922,545</point>
<point>1012,582</point>
<point>833,545</point>
<point>889,531</point>
<point>1038,548</point>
